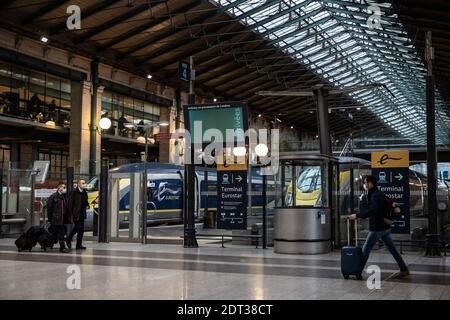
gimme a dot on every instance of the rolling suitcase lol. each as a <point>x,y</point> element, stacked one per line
<point>28,240</point>
<point>48,237</point>
<point>352,256</point>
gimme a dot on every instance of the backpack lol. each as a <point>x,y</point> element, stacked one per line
<point>392,211</point>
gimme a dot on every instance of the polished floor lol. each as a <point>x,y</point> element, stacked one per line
<point>155,271</point>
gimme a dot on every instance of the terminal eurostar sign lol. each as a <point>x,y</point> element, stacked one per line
<point>391,169</point>
<point>390,159</point>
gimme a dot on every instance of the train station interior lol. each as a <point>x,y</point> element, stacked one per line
<point>225,149</point>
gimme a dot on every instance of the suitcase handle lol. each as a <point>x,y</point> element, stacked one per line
<point>356,232</point>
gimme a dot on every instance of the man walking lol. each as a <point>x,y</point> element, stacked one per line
<point>58,215</point>
<point>378,228</point>
<point>77,205</point>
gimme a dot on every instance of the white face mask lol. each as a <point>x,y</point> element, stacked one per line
<point>365,187</point>
<point>63,190</point>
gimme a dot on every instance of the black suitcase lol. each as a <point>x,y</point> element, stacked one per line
<point>28,239</point>
<point>352,256</point>
<point>48,238</point>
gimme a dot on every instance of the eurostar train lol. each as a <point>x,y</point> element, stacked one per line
<point>165,192</point>
<point>309,184</point>
<point>165,183</point>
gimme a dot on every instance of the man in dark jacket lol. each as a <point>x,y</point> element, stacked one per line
<point>57,214</point>
<point>374,210</point>
<point>77,205</point>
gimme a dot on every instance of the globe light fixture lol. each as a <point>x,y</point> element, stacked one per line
<point>105,123</point>
<point>239,151</point>
<point>261,150</point>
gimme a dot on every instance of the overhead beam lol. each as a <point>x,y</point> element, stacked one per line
<point>36,14</point>
<point>113,22</point>
<point>152,23</point>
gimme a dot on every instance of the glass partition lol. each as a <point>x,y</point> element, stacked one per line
<point>302,184</point>
<point>33,95</point>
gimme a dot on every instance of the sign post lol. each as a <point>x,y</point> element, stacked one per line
<point>391,169</point>
<point>232,197</point>
<point>229,121</point>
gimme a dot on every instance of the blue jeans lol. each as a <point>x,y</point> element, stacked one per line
<point>385,236</point>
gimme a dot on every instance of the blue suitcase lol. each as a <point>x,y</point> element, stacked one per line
<point>352,257</point>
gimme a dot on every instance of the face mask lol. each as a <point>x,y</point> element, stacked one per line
<point>82,186</point>
<point>365,187</point>
<point>63,190</point>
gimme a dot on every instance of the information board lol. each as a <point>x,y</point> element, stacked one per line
<point>219,116</point>
<point>232,199</point>
<point>391,169</point>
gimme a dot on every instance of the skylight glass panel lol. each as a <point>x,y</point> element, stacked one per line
<point>332,39</point>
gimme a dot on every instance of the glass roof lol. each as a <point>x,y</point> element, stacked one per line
<point>335,40</point>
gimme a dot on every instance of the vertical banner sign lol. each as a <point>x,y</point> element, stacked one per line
<point>231,197</point>
<point>391,169</point>
<point>184,70</point>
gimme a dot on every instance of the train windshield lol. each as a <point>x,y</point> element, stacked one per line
<point>92,185</point>
<point>309,179</point>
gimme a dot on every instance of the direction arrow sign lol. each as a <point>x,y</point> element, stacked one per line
<point>393,182</point>
<point>232,200</point>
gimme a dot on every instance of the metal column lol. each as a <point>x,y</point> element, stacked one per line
<point>93,126</point>
<point>190,240</point>
<point>433,235</point>
<point>320,95</point>
<point>264,213</point>
<point>69,177</point>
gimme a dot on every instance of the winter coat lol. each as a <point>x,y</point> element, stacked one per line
<point>57,209</point>
<point>77,204</point>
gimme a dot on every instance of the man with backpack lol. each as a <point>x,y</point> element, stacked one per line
<point>58,214</point>
<point>375,209</point>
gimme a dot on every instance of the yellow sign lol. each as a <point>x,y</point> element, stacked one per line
<point>390,159</point>
<point>232,166</point>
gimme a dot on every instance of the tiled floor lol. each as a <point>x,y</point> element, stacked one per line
<point>135,271</point>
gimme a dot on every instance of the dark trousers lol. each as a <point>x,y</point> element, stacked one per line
<point>60,231</point>
<point>79,230</point>
<point>385,236</point>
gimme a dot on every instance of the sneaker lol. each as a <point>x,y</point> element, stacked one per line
<point>402,274</point>
<point>80,248</point>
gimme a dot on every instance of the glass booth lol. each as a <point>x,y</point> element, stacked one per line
<point>304,201</point>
